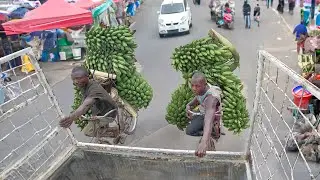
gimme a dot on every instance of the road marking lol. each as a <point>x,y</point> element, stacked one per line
<point>271,78</point>
<point>284,21</point>
<point>281,49</point>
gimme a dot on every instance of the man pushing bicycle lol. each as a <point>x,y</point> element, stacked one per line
<point>96,99</point>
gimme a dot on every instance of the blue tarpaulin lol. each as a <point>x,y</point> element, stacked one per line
<point>18,13</point>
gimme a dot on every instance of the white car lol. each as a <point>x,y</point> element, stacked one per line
<point>31,3</point>
<point>174,17</point>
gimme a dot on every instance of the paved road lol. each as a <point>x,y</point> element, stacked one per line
<point>164,80</point>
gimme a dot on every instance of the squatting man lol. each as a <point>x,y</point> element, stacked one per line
<point>207,124</point>
<point>96,99</point>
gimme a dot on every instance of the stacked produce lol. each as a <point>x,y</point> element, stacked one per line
<point>76,103</point>
<point>111,50</point>
<point>216,58</point>
<point>135,90</point>
<point>176,110</point>
<point>314,33</point>
<point>306,63</point>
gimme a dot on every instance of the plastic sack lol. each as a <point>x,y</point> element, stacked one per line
<point>50,39</point>
<point>8,90</point>
<point>12,91</point>
<point>18,13</point>
<point>67,50</point>
<point>227,18</point>
<point>112,17</point>
<point>51,55</point>
<point>103,18</point>
<point>26,64</point>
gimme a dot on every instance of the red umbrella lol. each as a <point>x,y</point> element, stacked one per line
<point>53,14</point>
<point>87,4</point>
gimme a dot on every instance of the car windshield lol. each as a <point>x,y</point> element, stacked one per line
<point>172,8</point>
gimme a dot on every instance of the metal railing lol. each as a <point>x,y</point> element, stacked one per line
<point>274,127</point>
<point>29,139</point>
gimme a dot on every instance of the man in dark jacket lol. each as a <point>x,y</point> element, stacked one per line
<point>246,13</point>
<point>96,99</point>
<point>280,6</point>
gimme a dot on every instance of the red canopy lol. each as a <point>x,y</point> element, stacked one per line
<point>51,15</point>
<point>87,4</point>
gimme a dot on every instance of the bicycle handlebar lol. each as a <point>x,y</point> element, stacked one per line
<point>98,117</point>
<point>194,113</point>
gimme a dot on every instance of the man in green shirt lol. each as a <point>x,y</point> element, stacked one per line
<point>96,98</point>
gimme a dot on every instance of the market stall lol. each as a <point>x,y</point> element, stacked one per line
<point>3,15</point>
<point>51,15</point>
<point>103,14</point>
<point>46,20</point>
<point>309,61</point>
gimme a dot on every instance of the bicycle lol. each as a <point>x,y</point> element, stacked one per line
<point>214,134</point>
<point>126,116</point>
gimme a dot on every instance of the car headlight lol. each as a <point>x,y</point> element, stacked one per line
<point>160,21</point>
<point>184,19</point>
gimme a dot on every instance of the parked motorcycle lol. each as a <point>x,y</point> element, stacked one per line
<point>227,21</point>
<point>222,18</point>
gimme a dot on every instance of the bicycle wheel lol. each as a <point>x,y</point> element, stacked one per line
<point>128,119</point>
<point>127,116</point>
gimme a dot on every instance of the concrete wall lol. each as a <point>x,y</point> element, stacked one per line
<point>89,165</point>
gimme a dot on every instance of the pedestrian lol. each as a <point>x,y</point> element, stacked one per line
<point>318,19</point>
<point>280,6</point>
<point>246,9</point>
<point>95,98</point>
<point>256,14</point>
<point>301,34</point>
<point>269,3</point>
<point>196,2</point>
<point>120,11</point>
<point>207,124</point>
<point>292,4</point>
